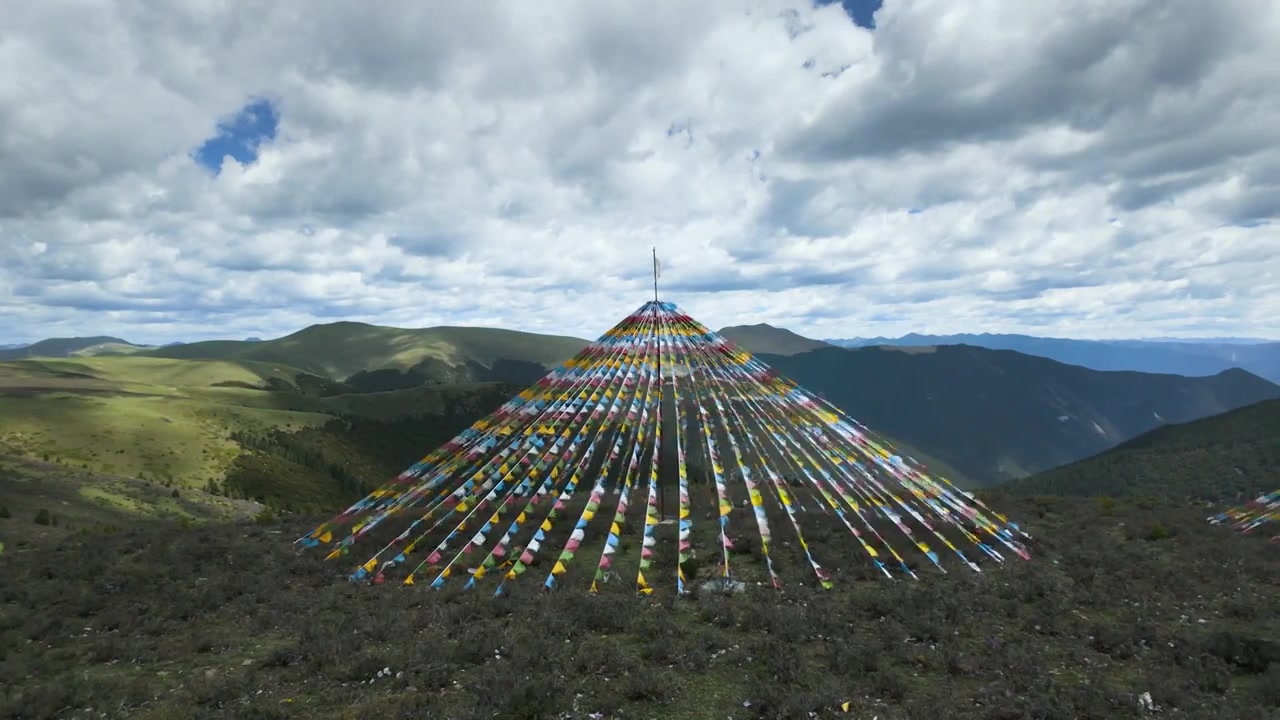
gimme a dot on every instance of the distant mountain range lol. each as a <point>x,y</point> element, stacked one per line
<point>992,415</point>
<point>1228,457</point>
<point>1193,358</point>
<point>980,415</point>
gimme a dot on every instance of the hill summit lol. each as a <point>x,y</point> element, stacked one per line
<point>344,349</point>
<point>64,347</point>
<point>763,338</point>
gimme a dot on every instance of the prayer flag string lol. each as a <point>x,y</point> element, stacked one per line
<point>477,501</point>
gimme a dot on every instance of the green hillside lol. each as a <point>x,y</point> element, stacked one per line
<point>172,420</point>
<point>996,415</point>
<point>49,499</point>
<point>64,347</point>
<point>140,417</point>
<point>1227,457</point>
<point>110,348</point>
<point>764,338</point>
<point>341,350</point>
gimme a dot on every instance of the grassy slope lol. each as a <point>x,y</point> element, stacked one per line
<point>165,420</point>
<point>78,499</point>
<point>218,621</point>
<point>768,339</point>
<point>111,348</point>
<point>339,350</point>
<point>137,416</point>
<point>1232,456</point>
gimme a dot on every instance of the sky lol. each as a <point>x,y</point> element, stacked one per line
<point>188,170</point>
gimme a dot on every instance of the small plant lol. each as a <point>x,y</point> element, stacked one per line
<point>1107,505</point>
<point>1158,531</point>
<point>44,517</point>
<point>4,512</point>
<point>266,517</point>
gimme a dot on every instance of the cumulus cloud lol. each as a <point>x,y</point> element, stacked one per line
<point>190,170</point>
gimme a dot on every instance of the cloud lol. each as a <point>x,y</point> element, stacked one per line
<point>184,171</point>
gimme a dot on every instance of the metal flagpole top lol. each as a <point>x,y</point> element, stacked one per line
<point>657,271</point>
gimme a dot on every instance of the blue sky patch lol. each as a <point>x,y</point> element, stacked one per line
<point>862,12</point>
<point>240,136</point>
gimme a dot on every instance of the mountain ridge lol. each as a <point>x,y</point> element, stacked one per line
<point>765,338</point>
<point>345,349</point>
<point>1188,357</point>
<point>998,414</point>
<point>988,415</point>
<point>64,347</point>
<point>1222,458</point>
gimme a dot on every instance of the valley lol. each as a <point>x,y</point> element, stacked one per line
<point>315,419</point>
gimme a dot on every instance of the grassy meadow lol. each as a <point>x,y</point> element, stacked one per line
<point>139,417</point>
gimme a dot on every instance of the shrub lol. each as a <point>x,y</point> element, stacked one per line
<point>4,512</point>
<point>44,517</point>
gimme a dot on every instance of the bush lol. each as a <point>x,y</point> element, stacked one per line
<point>4,512</point>
<point>44,517</point>
<point>213,596</point>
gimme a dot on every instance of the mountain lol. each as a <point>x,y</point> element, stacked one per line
<point>1229,457</point>
<point>372,357</point>
<point>994,415</point>
<point>1193,358</point>
<point>769,339</point>
<point>979,416</point>
<point>63,347</point>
